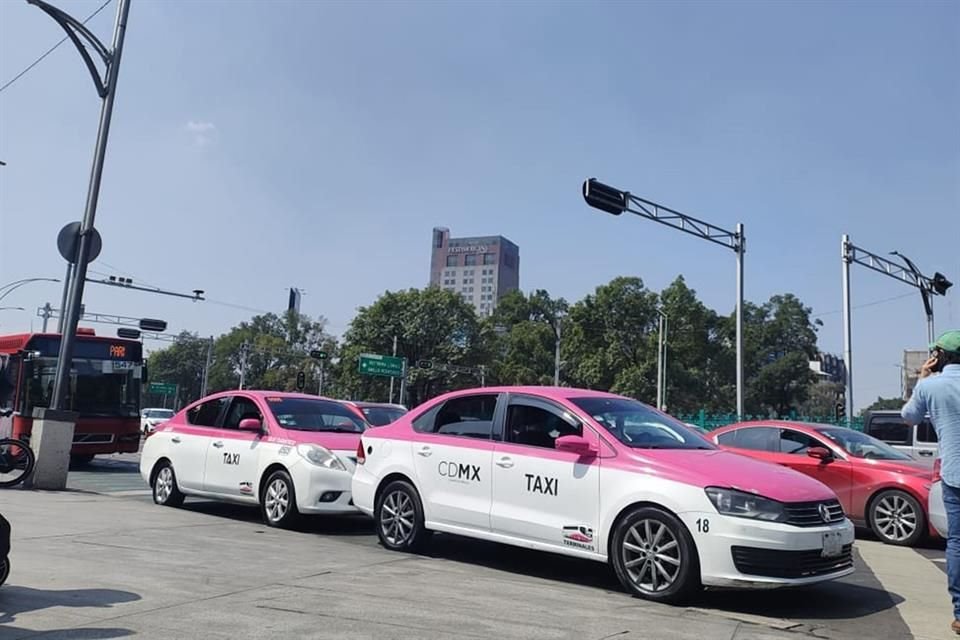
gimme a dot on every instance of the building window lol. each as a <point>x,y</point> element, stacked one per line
<point>452,260</point>
<point>489,258</point>
<point>470,259</point>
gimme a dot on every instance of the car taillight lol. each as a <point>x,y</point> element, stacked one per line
<point>361,454</point>
<point>936,470</point>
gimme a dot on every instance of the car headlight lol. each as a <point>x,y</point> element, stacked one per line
<point>730,502</point>
<point>320,456</point>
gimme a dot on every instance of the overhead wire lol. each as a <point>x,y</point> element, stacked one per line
<point>50,50</point>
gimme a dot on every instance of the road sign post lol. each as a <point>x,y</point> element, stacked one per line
<point>162,388</point>
<point>372,364</point>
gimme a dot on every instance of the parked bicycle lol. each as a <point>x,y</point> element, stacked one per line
<point>16,462</point>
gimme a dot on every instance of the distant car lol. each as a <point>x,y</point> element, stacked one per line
<point>917,441</point>
<point>4,549</point>
<point>878,486</point>
<point>601,477</point>
<point>150,418</point>
<point>379,414</point>
<point>935,508</point>
<point>288,452</point>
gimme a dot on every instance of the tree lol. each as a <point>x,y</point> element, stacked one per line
<point>606,341</point>
<point>271,350</point>
<point>523,330</point>
<point>822,399</point>
<point>429,324</point>
<point>884,404</point>
<point>181,364</point>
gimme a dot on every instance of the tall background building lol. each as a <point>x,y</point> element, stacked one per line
<point>481,269</point>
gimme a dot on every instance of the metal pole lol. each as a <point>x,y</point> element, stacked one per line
<point>47,312</point>
<point>320,389</point>
<point>403,382</point>
<point>63,298</point>
<point>206,369</point>
<point>666,327</point>
<point>846,258</point>
<point>660,362</point>
<point>243,364</point>
<point>741,249</point>
<point>483,376</point>
<point>391,377</point>
<point>75,297</point>
<point>556,357</point>
<point>931,334</point>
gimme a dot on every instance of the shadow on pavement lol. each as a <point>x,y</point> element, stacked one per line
<point>15,600</point>
<point>338,525</point>
<point>85,633</point>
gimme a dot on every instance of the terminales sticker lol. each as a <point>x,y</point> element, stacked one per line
<point>578,536</point>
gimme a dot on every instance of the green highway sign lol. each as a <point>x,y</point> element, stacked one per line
<point>372,364</point>
<point>162,388</point>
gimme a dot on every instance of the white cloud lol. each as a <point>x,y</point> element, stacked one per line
<point>202,131</point>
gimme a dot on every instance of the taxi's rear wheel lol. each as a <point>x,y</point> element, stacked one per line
<point>399,516</point>
<point>279,501</point>
<point>165,490</point>
<point>897,518</point>
<point>654,556</point>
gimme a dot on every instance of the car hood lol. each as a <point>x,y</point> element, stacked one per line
<point>719,468</point>
<point>906,467</point>
<point>332,441</point>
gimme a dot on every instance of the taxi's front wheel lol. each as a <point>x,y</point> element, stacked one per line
<point>399,516</point>
<point>165,490</point>
<point>279,501</point>
<point>654,556</point>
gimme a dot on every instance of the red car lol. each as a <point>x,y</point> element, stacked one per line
<point>878,486</point>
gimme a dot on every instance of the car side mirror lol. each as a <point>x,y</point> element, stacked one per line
<point>821,453</point>
<point>250,424</point>
<point>576,444</point>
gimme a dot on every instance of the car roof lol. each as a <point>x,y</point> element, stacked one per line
<point>556,393</point>
<point>792,424</point>
<point>262,394</point>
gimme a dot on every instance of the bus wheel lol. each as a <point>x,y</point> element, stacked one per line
<point>80,460</point>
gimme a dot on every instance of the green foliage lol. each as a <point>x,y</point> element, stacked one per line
<point>523,332</point>
<point>182,364</point>
<point>884,404</point>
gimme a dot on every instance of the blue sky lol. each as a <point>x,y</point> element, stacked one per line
<point>262,145</point>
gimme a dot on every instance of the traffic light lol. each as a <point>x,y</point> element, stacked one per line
<point>318,354</point>
<point>132,334</point>
<point>424,364</point>
<point>301,381</point>
<point>940,283</point>
<point>840,411</point>
<point>604,197</point>
<point>152,324</point>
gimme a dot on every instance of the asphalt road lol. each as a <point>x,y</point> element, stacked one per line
<point>333,574</point>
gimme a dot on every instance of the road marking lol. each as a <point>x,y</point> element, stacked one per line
<point>925,608</point>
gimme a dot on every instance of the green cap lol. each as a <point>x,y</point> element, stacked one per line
<point>949,341</point>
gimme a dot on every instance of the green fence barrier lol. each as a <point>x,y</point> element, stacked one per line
<point>712,421</point>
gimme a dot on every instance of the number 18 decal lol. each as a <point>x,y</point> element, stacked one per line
<point>703,525</point>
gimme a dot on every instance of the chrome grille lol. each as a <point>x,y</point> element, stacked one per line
<point>808,514</point>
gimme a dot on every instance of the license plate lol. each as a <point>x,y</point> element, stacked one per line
<point>832,544</point>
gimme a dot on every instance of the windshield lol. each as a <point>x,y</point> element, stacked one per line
<point>379,416</point>
<point>97,387</point>
<point>164,414</point>
<point>639,426</point>
<point>860,445</point>
<point>304,414</point>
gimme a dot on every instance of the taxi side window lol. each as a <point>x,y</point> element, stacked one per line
<point>468,416</point>
<point>753,438</point>
<point>240,409</point>
<point>206,413</point>
<point>537,426</point>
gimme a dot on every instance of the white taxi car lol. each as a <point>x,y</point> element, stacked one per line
<point>602,477</point>
<point>290,453</point>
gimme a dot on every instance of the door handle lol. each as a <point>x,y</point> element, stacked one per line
<point>505,462</point>
<point>218,444</point>
<point>425,452</point>
<point>175,439</point>
<point>924,452</point>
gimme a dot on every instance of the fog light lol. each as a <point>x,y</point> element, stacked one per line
<point>329,496</point>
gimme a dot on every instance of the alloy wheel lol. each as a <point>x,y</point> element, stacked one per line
<point>651,555</point>
<point>163,485</point>
<point>895,517</point>
<point>278,500</point>
<point>397,518</point>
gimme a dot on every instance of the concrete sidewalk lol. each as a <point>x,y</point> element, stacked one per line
<point>91,566</point>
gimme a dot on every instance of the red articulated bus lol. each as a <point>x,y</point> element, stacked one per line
<point>104,389</point>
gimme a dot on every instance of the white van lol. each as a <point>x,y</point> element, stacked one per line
<point>918,441</point>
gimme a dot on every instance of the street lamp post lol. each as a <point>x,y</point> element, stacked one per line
<point>662,360</point>
<point>107,90</point>
<point>10,287</point>
<point>614,201</point>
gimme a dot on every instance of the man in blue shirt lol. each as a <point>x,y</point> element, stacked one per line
<point>939,397</point>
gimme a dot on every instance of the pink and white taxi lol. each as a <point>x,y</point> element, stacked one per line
<point>290,453</point>
<point>599,476</point>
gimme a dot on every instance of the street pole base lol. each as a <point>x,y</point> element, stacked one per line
<point>51,439</point>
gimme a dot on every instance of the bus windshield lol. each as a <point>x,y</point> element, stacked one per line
<point>106,388</point>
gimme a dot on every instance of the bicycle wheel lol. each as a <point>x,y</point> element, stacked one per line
<point>16,462</point>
